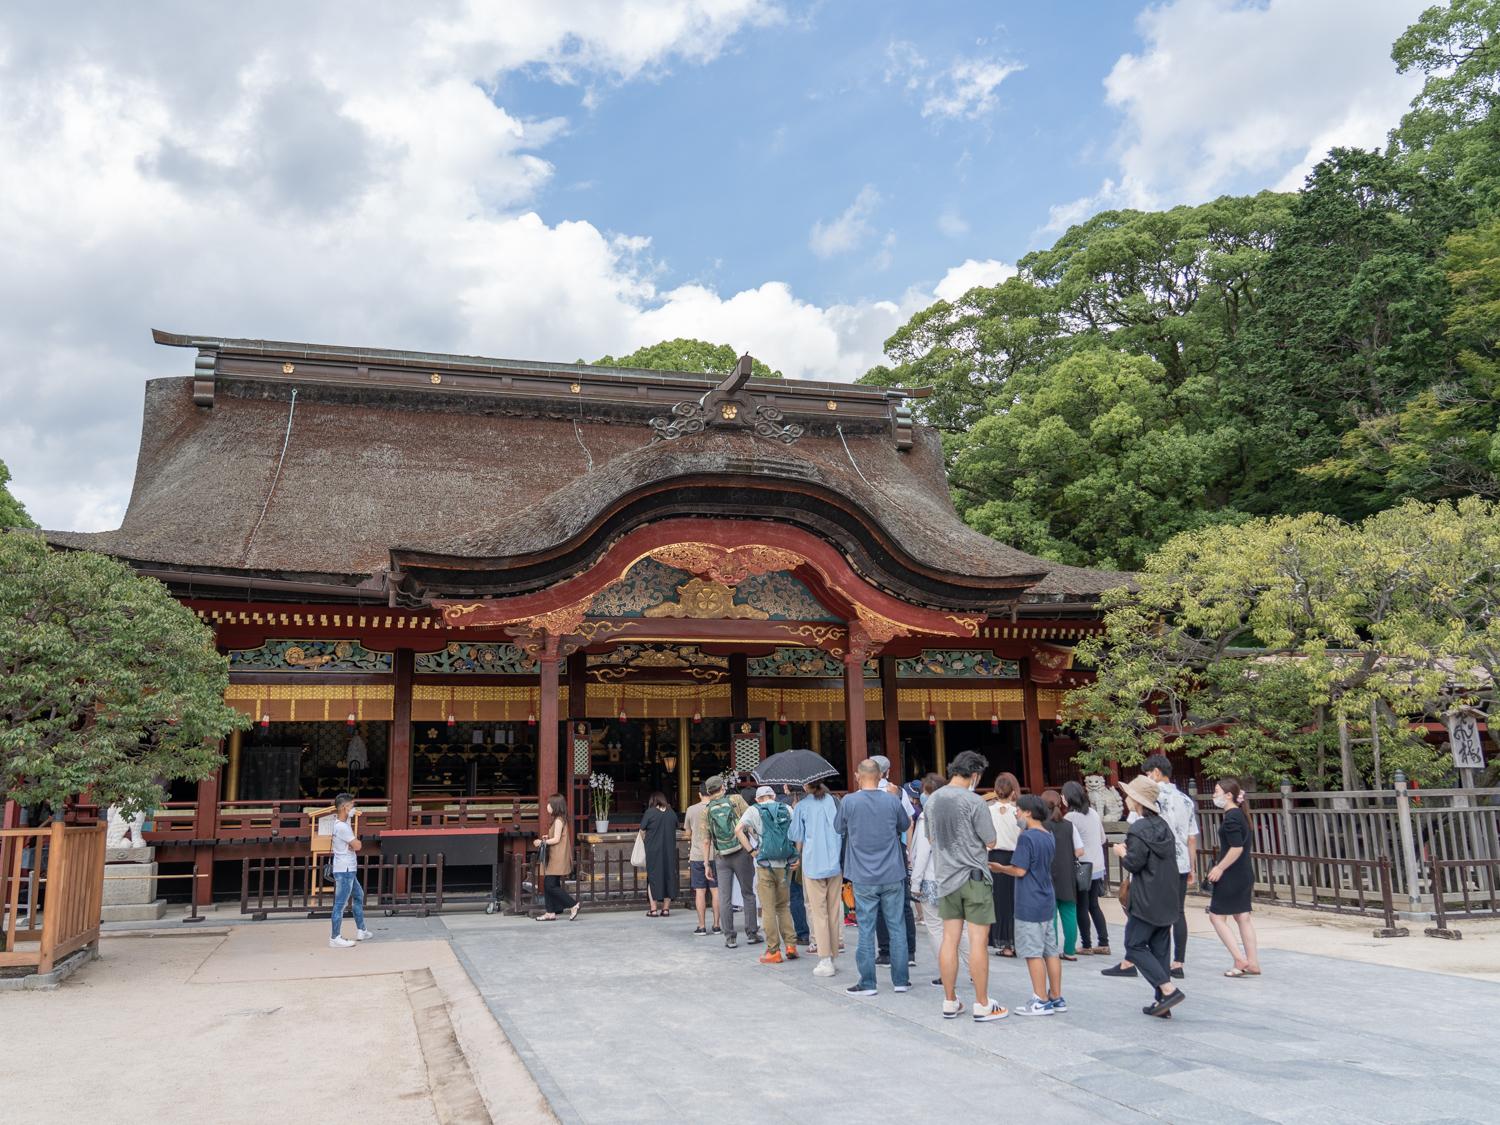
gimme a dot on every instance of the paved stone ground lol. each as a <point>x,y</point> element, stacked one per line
<point>624,1019</point>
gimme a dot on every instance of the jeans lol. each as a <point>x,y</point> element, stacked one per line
<point>870,901</point>
<point>1147,947</point>
<point>1093,911</point>
<point>556,899</point>
<point>1003,932</point>
<point>737,869</point>
<point>1179,928</point>
<point>346,890</point>
<point>825,899</point>
<point>771,887</point>
<point>909,920</point>
<point>799,908</point>
<point>932,922</point>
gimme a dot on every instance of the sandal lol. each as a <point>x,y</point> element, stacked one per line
<point>573,914</point>
<point>653,914</point>
<point>1236,972</point>
<point>1007,952</point>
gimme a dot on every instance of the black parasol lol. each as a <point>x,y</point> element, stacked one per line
<point>793,767</point>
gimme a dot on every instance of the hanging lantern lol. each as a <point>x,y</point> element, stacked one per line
<point>697,715</point>
<point>351,720</point>
<point>624,718</point>
<point>994,721</point>
<point>781,718</point>
<point>531,718</point>
<point>452,720</point>
<point>265,722</point>
<point>931,719</point>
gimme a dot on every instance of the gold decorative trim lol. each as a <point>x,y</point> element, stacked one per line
<point>726,565</point>
<point>819,635</point>
<point>880,627</point>
<point>702,600</point>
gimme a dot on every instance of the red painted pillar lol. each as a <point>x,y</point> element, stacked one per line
<point>854,706</point>
<point>547,727</point>
<point>1031,734</point>
<point>891,726</point>
<point>205,827</point>
<point>398,767</point>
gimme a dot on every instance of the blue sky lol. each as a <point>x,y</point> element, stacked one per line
<point>562,179</point>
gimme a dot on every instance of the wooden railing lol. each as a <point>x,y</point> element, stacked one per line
<point>473,812</point>
<point>51,891</point>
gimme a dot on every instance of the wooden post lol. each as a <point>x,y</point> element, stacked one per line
<point>232,776</point>
<point>1034,778</point>
<point>739,686</point>
<point>890,702</point>
<point>205,827</point>
<point>815,736</point>
<point>578,710</point>
<point>854,705</point>
<point>546,751</point>
<point>57,890</point>
<point>398,767</point>
<point>684,748</point>
<point>940,747</point>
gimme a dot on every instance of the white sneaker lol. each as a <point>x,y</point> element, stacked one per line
<point>340,943</point>
<point>989,1012</point>
<point>1035,1008</point>
<point>952,1009</point>
<point>363,935</point>
<point>824,968</point>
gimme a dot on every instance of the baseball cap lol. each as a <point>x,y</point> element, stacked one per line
<point>882,761</point>
<point>764,791</point>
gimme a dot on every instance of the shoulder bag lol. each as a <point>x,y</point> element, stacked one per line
<point>1083,875</point>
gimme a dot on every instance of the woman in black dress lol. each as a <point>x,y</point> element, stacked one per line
<point>659,827</point>
<point>1233,879</point>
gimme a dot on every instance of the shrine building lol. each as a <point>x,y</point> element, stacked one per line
<point>456,585</point>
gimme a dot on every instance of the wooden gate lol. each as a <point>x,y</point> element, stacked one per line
<point>51,891</point>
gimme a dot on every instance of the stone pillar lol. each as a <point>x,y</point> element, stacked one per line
<point>398,765</point>
<point>890,701</point>
<point>1034,770</point>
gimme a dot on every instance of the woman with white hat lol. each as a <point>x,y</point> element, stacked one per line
<point>1149,857</point>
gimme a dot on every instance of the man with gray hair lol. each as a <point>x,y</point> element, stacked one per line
<point>871,822</point>
<point>908,917</point>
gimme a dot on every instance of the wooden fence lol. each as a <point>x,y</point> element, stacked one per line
<point>1325,849</point>
<point>51,891</point>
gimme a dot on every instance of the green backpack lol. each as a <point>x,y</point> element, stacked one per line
<point>722,821</point>
<point>775,845</point>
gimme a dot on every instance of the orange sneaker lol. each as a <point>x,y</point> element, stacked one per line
<point>770,958</point>
<point>791,953</point>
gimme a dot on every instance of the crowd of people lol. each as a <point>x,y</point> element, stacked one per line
<point>1006,874</point>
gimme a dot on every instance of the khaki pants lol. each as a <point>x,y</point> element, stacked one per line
<point>773,888</point>
<point>825,911</point>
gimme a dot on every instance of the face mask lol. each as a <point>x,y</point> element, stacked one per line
<point>923,798</point>
<point>1221,801</point>
<point>1020,821</point>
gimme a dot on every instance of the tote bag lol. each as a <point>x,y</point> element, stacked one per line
<point>638,851</point>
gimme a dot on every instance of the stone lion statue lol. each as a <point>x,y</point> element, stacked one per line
<point>1106,801</point>
<point>118,824</point>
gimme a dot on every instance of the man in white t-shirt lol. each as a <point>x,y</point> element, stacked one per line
<point>346,888</point>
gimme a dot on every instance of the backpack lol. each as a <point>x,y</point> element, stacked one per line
<point>722,821</point>
<point>775,845</point>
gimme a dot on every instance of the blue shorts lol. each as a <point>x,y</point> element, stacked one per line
<point>698,879</point>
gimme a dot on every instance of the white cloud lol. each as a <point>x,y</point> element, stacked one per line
<point>952,224</point>
<point>966,88</point>
<point>265,184</point>
<point>1227,95</point>
<point>848,230</point>
<point>960,279</point>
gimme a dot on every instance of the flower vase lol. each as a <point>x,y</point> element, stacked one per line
<point>601,825</point>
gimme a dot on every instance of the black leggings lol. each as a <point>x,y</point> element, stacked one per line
<point>556,898</point>
<point>1003,932</point>
<point>1093,910</point>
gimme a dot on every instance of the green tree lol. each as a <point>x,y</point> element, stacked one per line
<point>683,354</point>
<point>1256,643</point>
<point>12,512</point>
<point>1444,440</point>
<point>107,683</point>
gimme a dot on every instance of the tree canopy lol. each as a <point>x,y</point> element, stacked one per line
<point>683,354</point>
<point>1254,643</point>
<point>12,512</point>
<point>108,685</point>
<point>1331,350</point>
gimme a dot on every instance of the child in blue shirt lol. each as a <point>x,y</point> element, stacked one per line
<point>1036,935</point>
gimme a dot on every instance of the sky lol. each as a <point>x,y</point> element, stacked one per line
<point>566,179</point>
